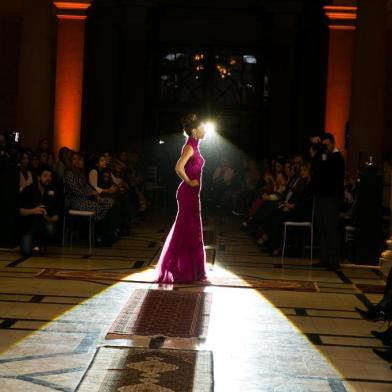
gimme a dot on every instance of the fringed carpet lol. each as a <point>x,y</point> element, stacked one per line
<point>168,313</point>
<point>130,369</point>
<point>148,277</point>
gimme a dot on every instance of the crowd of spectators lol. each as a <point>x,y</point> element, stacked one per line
<point>111,187</point>
<point>265,193</point>
<point>283,189</point>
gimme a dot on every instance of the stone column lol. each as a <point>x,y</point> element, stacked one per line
<point>36,68</point>
<point>71,17</point>
<point>341,24</point>
<point>368,82</point>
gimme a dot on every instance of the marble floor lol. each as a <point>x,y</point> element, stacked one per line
<point>261,340</point>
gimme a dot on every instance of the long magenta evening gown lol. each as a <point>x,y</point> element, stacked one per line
<point>183,257</point>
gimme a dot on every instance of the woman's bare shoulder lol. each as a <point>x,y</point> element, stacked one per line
<point>187,149</point>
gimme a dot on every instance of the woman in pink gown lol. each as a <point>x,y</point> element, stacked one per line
<point>183,257</point>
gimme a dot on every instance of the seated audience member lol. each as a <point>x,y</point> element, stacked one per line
<point>118,174</point>
<point>60,166</point>
<point>222,183</point>
<point>297,207</point>
<point>288,170</point>
<point>250,182</point>
<point>292,181</point>
<point>298,160</point>
<point>100,178</point>
<point>134,178</point>
<point>107,185</point>
<point>43,146</point>
<point>271,193</point>
<point>279,179</point>
<point>265,186</point>
<point>81,196</point>
<point>129,189</point>
<point>43,158</point>
<point>39,212</point>
<point>136,169</point>
<point>25,175</point>
<point>34,165</point>
<point>109,159</point>
<point>126,195</point>
<point>50,160</point>
<point>275,181</point>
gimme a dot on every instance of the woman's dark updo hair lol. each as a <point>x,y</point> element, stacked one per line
<point>189,122</point>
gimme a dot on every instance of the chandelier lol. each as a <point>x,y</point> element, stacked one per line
<point>198,58</point>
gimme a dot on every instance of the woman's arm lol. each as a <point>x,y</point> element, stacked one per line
<point>22,182</point>
<point>180,166</point>
<point>93,181</point>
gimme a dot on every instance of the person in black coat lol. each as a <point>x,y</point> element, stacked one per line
<point>328,184</point>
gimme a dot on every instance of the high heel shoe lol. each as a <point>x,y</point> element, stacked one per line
<point>385,337</point>
<point>385,355</point>
<point>374,314</point>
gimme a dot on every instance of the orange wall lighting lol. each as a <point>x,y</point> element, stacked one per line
<point>339,74</point>
<point>69,73</point>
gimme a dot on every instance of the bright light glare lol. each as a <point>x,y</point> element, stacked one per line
<point>210,128</point>
<point>161,141</point>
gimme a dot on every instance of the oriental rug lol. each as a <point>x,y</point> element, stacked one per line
<point>131,369</point>
<point>168,313</point>
<point>148,277</point>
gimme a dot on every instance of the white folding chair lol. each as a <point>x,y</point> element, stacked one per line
<point>73,214</point>
<point>349,233</point>
<point>305,224</point>
<point>70,214</point>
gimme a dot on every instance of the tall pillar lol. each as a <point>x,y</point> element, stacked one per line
<point>368,83</point>
<point>341,24</point>
<point>71,17</point>
<point>35,72</point>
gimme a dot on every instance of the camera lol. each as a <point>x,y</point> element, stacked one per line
<point>317,146</point>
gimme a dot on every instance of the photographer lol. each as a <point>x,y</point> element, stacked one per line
<point>38,210</point>
<point>328,185</point>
